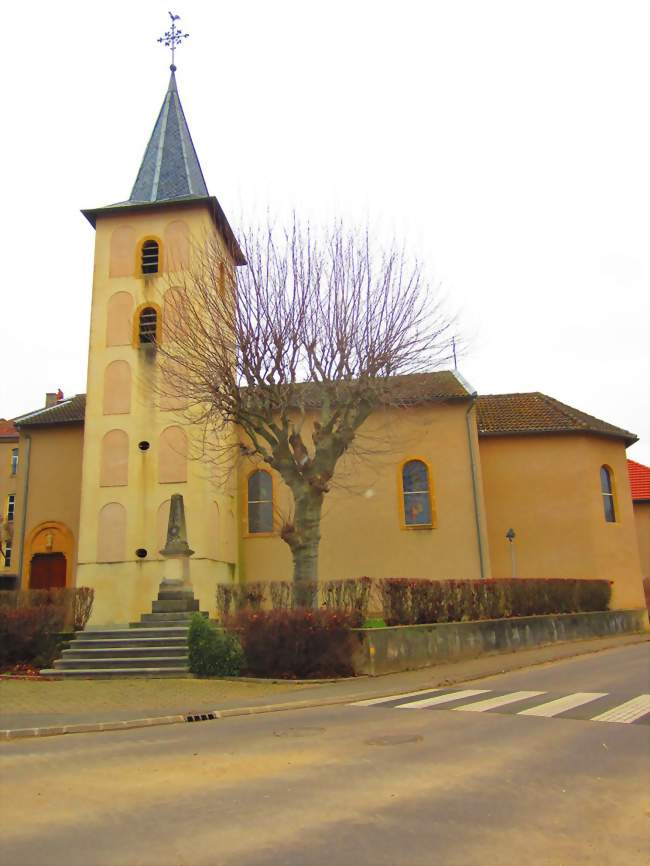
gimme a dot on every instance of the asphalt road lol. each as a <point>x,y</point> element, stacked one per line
<point>434,783</point>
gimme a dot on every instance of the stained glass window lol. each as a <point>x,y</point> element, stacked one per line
<point>416,493</point>
<point>260,502</point>
<point>607,489</point>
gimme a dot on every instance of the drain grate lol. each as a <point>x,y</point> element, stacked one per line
<point>200,717</point>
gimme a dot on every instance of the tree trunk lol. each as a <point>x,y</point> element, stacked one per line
<point>304,547</point>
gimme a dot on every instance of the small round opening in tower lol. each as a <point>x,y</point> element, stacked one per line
<point>141,552</point>
<point>144,445</point>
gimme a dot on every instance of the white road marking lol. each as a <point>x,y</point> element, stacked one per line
<point>492,703</point>
<point>628,712</point>
<point>372,701</point>
<point>442,699</point>
<point>554,708</point>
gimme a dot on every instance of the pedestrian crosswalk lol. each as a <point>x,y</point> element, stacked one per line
<point>592,706</point>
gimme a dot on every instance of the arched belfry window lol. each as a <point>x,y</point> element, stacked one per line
<point>260,501</point>
<point>147,326</point>
<point>416,494</point>
<point>607,490</point>
<point>150,257</point>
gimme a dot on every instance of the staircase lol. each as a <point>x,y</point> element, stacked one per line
<point>154,647</point>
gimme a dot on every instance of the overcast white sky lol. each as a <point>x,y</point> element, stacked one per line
<point>506,143</point>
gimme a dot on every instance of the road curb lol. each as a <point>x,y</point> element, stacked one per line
<point>306,704</point>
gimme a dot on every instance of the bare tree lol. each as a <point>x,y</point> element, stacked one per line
<point>295,350</point>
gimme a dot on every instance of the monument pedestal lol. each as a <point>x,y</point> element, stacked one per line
<point>175,604</point>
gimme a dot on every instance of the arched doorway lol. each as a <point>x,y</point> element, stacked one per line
<point>49,556</point>
<point>47,571</point>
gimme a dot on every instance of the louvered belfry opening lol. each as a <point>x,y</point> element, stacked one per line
<point>148,326</point>
<point>150,255</point>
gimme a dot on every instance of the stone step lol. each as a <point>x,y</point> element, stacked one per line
<point>116,672</point>
<point>135,642</point>
<point>138,631</point>
<point>111,661</point>
<point>151,620</point>
<point>175,605</point>
<point>127,652</point>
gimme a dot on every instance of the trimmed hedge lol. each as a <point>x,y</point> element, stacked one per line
<point>406,601</point>
<point>296,644</point>
<point>416,602</point>
<point>349,596</point>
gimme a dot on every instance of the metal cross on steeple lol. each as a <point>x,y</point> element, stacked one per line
<point>173,38</point>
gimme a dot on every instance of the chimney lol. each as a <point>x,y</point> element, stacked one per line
<point>50,400</point>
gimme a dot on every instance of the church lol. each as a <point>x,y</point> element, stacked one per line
<point>468,486</point>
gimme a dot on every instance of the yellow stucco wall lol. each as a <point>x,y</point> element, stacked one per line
<point>362,531</point>
<point>547,488</point>
<point>126,588</point>
<point>642,523</point>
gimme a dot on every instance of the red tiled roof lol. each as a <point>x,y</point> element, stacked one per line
<point>68,411</point>
<point>639,480</point>
<point>512,414</point>
<point>8,429</point>
<point>408,389</point>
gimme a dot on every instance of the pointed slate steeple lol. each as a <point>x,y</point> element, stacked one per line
<point>170,174</point>
<point>170,168</point>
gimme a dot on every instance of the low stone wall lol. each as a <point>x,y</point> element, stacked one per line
<point>406,647</point>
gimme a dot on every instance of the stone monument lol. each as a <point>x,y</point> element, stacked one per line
<point>175,593</point>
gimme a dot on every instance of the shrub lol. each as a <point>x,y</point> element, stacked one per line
<point>594,594</point>
<point>82,606</point>
<point>250,595</point>
<point>352,596</point>
<point>394,594</point>
<point>75,602</point>
<point>412,602</point>
<point>213,652</point>
<point>224,599</point>
<point>300,643</point>
<point>281,596</point>
<point>646,590</point>
<point>30,635</point>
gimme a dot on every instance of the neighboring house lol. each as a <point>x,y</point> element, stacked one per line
<point>9,451</point>
<point>48,482</point>
<point>640,487</point>
<point>452,474</point>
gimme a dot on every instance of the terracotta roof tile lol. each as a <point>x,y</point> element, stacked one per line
<point>8,429</point>
<point>639,480</point>
<point>68,411</point>
<point>410,389</point>
<point>510,414</point>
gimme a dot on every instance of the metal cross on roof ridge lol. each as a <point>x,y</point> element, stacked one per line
<point>173,37</point>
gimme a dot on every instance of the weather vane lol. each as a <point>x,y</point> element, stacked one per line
<point>173,38</point>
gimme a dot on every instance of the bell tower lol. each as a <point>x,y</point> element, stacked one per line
<point>136,447</point>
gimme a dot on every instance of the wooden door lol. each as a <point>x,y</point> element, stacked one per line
<point>47,571</point>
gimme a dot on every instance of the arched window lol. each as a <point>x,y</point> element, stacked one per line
<point>416,494</point>
<point>607,490</point>
<point>260,501</point>
<point>149,257</point>
<point>147,325</point>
